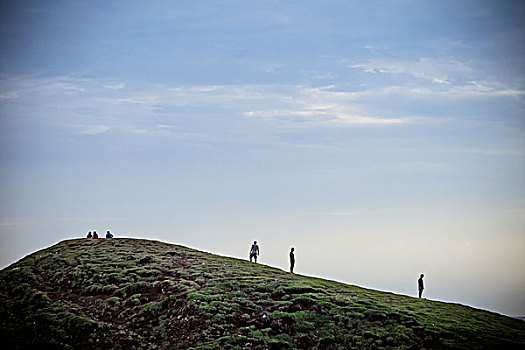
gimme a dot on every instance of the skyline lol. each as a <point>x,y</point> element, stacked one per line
<point>382,140</point>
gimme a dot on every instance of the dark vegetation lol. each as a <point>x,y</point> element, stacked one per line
<point>130,293</point>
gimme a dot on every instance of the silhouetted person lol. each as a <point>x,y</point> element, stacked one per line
<point>254,251</point>
<point>89,235</point>
<point>420,285</point>
<point>95,235</point>
<point>292,260</point>
<point>109,235</point>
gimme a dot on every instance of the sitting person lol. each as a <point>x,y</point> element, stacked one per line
<point>95,234</point>
<point>89,235</point>
<point>109,235</point>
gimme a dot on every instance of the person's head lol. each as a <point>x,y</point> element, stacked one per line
<point>254,242</point>
<point>293,249</point>
<point>422,276</point>
<point>107,232</point>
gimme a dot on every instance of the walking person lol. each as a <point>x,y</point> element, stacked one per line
<point>420,285</point>
<point>254,251</point>
<point>292,259</point>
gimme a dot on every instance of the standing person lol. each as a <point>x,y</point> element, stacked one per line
<point>292,260</point>
<point>89,235</point>
<point>109,235</point>
<point>95,235</point>
<point>254,251</point>
<point>420,285</point>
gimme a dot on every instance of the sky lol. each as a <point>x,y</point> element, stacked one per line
<point>381,139</point>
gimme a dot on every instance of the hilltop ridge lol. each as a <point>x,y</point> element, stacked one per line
<point>130,293</point>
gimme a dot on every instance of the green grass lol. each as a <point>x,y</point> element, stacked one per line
<point>128,293</point>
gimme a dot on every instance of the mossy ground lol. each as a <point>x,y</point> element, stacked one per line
<point>130,293</point>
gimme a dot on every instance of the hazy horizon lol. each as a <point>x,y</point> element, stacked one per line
<point>381,139</point>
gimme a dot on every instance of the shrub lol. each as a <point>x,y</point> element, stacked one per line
<point>152,307</point>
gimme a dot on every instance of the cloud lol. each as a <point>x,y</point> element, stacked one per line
<point>517,152</point>
<point>431,70</point>
<point>114,86</point>
<point>167,110</point>
<point>136,101</point>
<point>478,88</point>
<point>433,77</point>
<point>326,116</point>
<point>9,96</point>
<point>92,129</point>
<point>326,106</point>
<point>165,127</point>
<point>9,223</point>
<point>59,86</point>
<point>14,87</point>
<point>443,91</point>
<point>358,120</point>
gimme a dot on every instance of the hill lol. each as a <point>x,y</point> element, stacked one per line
<point>130,293</point>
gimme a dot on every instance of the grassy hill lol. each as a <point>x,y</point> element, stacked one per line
<point>130,293</point>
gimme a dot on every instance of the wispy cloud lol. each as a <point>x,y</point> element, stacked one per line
<point>433,77</point>
<point>9,223</point>
<point>91,129</point>
<point>114,86</point>
<point>20,86</point>
<point>137,101</point>
<point>62,87</point>
<point>518,152</point>
<point>9,96</point>
<point>327,106</point>
<point>165,127</point>
<point>158,109</point>
<point>432,70</point>
<point>326,116</point>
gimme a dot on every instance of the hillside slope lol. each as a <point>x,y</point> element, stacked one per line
<point>130,293</point>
